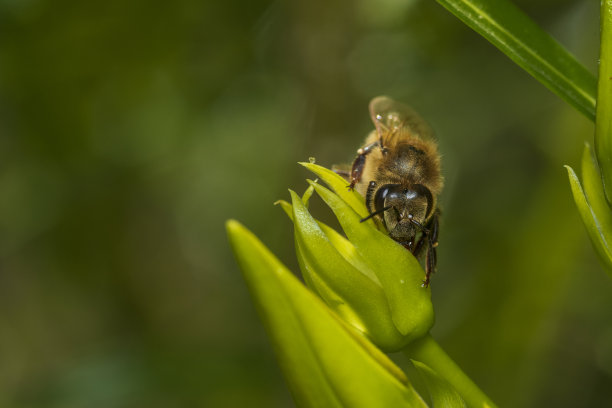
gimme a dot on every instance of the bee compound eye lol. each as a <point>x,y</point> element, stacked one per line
<point>379,198</point>
<point>384,192</point>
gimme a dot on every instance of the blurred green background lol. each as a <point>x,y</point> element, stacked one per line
<point>130,131</point>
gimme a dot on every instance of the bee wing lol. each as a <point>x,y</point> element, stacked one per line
<point>390,116</point>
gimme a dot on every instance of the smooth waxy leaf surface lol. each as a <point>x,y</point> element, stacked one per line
<point>343,245</point>
<point>427,351</point>
<point>340,187</point>
<point>354,295</point>
<point>533,49</point>
<point>441,393</point>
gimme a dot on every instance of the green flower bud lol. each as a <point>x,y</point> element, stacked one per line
<point>327,363</point>
<point>370,280</point>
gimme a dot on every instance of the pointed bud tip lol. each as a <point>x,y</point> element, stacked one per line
<point>236,231</point>
<point>310,165</point>
<point>233,226</point>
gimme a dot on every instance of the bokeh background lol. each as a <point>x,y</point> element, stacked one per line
<point>131,131</point>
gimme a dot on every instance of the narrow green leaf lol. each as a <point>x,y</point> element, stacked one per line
<point>521,39</point>
<point>326,364</point>
<point>399,273</point>
<point>348,251</point>
<point>318,247</point>
<point>340,187</point>
<point>603,122</point>
<point>263,274</point>
<point>287,208</point>
<point>318,285</point>
<point>343,245</point>
<point>442,394</point>
<point>589,218</point>
<point>307,194</point>
<point>427,351</point>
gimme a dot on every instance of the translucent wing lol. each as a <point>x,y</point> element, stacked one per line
<point>391,116</point>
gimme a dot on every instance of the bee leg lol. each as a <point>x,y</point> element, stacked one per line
<point>359,163</point>
<point>342,170</point>
<point>419,246</point>
<point>431,258</point>
<point>342,173</point>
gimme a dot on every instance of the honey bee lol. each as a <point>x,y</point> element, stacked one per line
<point>397,170</point>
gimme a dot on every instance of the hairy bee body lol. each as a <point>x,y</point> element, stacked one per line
<point>397,170</point>
<point>409,161</point>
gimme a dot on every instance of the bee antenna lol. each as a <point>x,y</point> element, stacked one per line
<point>420,226</point>
<point>375,213</point>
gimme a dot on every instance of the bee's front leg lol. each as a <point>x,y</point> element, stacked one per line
<point>342,173</point>
<point>416,251</point>
<point>359,163</point>
<point>431,258</point>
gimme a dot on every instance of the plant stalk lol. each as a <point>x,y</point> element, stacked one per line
<point>603,121</point>
<point>429,352</point>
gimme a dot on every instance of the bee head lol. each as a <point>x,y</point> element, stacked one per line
<point>403,209</point>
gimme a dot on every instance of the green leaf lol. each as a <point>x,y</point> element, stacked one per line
<point>326,363</point>
<point>307,194</point>
<point>340,187</point>
<point>398,271</point>
<point>287,208</point>
<point>442,394</point>
<point>594,191</point>
<point>521,39</point>
<point>428,352</point>
<point>593,207</point>
<point>603,122</point>
<point>343,245</point>
<point>284,327</point>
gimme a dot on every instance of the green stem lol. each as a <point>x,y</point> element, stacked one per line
<point>603,122</point>
<point>427,351</point>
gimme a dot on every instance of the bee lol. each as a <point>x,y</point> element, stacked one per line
<point>397,170</point>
